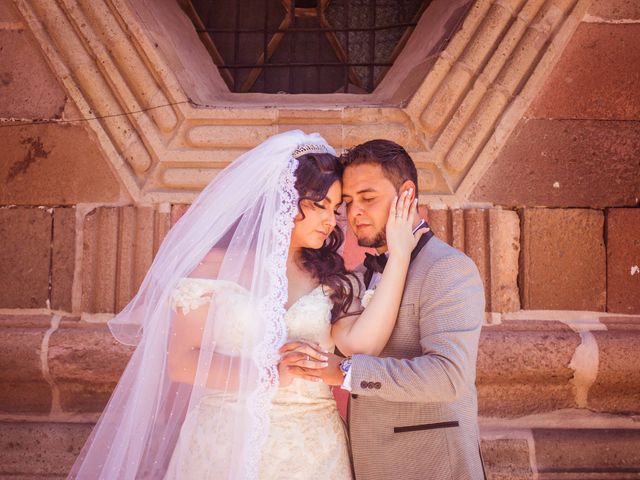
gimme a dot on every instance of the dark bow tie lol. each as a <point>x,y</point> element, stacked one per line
<point>375,263</point>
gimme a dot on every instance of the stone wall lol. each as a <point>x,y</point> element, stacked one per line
<point>548,210</point>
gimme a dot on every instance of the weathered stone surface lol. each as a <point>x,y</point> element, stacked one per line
<point>612,453</point>
<point>504,248</point>
<point>476,246</point>
<point>438,222</point>
<point>25,252</point>
<point>523,368</point>
<point>28,88</point>
<point>54,164</point>
<point>594,78</point>
<point>24,388</point>
<point>85,362</point>
<point>623,260</point>
<point>9,14</point>
<point>448,225</point>
<point>63,262</point>
<point>622,323</point>
<point>40,450</point>
<point>615,9</point>
<point>177,211</point>
<point>562,265</point>
<point>135,251</point>
<point>118,248</point>
<point>491,238</point>
<point>100,247</point>
<point>617,386</point>
<point>506,459</point>
<point>566,163</point>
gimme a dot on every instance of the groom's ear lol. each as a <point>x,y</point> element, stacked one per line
<point>406,186</point>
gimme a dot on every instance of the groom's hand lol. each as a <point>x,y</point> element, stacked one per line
<point>319,366</point>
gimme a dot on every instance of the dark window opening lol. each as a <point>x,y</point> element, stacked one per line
<point>304,46</point>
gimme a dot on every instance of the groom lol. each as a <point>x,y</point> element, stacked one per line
<point>413,409</point>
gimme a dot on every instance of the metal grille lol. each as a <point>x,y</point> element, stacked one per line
<point>304,46</point>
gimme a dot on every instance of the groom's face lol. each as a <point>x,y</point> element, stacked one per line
<point>367,194</point>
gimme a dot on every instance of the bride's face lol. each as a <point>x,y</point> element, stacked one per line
<point>317,219</point>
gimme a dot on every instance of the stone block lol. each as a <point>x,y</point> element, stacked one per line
<point>623,260</point>
<point>177,211</point>
<point>40,450</point>
<point>617,386</point>
<point>9,13</point>
<point>476,246</point>
<point>119,246</point>
<point>438,222</point>
<point>54,164</point>
<point>565,163</point>
<point>491,238</point>
<point>595,78</point>
<point>615,9</point>
<point>626,323</point>
<point>100,246</point>
<point>523,368</point>
<point>584,453</point>
<point>63,261</point>
<point>135,251</point>
<point>506,459</point>
<point>504,248</point>
<point>24,387</point>
<point>332,133</point>
<point>562,265</point>
<point>25,254</point>
<point>28,87</point>
<point>85,362</point>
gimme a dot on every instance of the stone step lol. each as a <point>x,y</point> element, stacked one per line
<point>559,393</point>
<point>528,363</point>
<point>41,449</point>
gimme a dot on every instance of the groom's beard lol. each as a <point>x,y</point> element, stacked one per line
<point>379,240</point>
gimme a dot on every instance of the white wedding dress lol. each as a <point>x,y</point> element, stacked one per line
<point>307,438</point>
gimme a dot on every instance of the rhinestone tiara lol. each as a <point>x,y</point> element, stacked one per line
<point>309,148</point>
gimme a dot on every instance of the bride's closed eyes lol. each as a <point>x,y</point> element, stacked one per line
<point>319,205</point>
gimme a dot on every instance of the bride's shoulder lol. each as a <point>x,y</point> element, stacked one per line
<point>193,292</point>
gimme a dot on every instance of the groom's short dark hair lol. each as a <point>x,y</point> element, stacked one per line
<point>397,165</point>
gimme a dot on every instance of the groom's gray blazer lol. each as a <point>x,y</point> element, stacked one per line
<point>413,410</point>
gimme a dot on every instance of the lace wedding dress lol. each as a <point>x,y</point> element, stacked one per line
<point>307,438</point>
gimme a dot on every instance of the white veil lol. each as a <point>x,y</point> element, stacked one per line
<point>231,244</point>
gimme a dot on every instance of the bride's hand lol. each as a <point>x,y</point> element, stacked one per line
<point>399,231</point>
<point>301,359</point>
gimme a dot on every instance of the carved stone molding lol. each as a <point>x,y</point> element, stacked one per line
<point>106,55</point>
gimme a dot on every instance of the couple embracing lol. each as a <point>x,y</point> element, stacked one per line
<point>248,316</point>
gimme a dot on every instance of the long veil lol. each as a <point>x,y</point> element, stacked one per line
<point>207,320</point>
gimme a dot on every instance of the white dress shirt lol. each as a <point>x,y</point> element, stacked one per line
<point>373,283</point>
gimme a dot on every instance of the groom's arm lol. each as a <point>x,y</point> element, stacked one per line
<point>451,309</point>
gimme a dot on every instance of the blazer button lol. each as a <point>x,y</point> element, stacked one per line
<point>371,384</point>
<point>364,384</point>
<point>377,385</point>
<point>354,395</point>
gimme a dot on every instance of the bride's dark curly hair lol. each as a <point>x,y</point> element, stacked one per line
<point>315,174</point>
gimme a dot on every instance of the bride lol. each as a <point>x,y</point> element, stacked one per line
<point>252,264</point>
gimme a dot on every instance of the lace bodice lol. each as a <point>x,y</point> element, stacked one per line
<point>309,318</point>
<point>307,439</point>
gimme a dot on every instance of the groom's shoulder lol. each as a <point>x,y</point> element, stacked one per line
<point>438,252</point>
